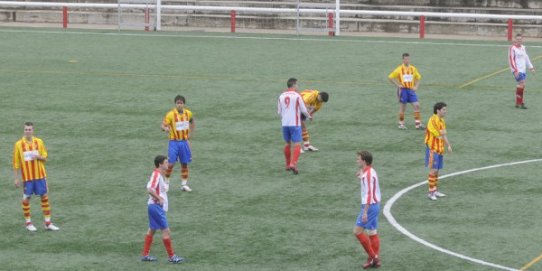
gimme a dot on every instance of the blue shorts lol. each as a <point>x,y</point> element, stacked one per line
<point>157,217</point>
<point>521,76</point>
<point>291,133</point>
<point>433,159</point>
<point>179,150</point>
<point>38,187</point>
<point>406,95</point>
<point>372,217</point>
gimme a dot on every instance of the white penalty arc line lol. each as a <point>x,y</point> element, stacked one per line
<point>394,223</point>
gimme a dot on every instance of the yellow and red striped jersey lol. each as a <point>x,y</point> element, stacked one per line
<point>407,75</point>
<point>23,158</point>
<point>178,123</point>
<point>433,138</point>
<point>310,97</point>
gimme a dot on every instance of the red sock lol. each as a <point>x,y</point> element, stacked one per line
<point>366,243</point>
<point>375,243</point>
<point>169,249</point>
<point>287,154</point>
<point>147,246</point>
<point>519,95</point>
<point>297,151</point>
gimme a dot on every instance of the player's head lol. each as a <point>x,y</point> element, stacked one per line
<point>406,58</point>
<point>160,161</point>
<point>179,102</point>
<point>365,158</point>
<point>440,109</point>
<point>323,96</point>
<point>28,129</point>
<point>519,39</point>
<point>292,83</point>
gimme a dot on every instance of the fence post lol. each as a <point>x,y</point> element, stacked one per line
<point>422,27</point>
<point>510,29</point>
<point>65,17</point>
<point>330,26</point>
<point>232,20</point>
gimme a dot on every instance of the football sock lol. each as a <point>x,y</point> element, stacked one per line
<point>46,209</point>
<point>401,117</point>
<point>297,151</point>
<point>169,170</point>
<point>433,181</point>
<point>417,118</point>
<point>147,246</point>
<point>26,211</point>
<point>375,243</point>
<point>366,244</point>
<point>519,95</point>
<point>184,174</point>
<point>169,249</point>
<point>306,136</point>
<point>287,154</point>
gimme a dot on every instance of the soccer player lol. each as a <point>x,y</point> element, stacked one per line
<point>290,108</point>
<point>370,208</point>
<point>157,207</point>
<point>407,80</point>
<point>519,62</point>
<point>314,100</point>
<point>435,138</point>
<point>29,157</point>
<point>180,125</point>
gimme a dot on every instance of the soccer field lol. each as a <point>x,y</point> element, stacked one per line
<point>97,100</point>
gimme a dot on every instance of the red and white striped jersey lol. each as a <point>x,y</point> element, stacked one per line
<point>158,184</point>
<point>518,59</point>
<point>370,187</point>
<point>290,108</point>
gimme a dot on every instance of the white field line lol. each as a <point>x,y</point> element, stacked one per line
<point>394,223</point>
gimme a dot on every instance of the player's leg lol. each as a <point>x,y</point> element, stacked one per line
<point>40,187</point>
<point>145,257</point>
<point>403,98</point>
<point>173,154</point>
<point>413,99</point>
<point>185,157</point>
<point>306,138</point>
<point>287,147</point>
<point>432,179</point>
<point>371,227</point>
<point>520,88</point>
<point>296,140</point>
<point>27,194</point>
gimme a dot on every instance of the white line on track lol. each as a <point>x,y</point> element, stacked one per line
<point>293,38</point>
<point>394,223</point>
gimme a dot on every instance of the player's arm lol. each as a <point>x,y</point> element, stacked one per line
<point>192,125</point>
<point>155,195</point>
<point>512,61</point>
<point>364,214</point>
<point>42,156</point>
<point>303,108</point>
<point>445,138</point>
<point>392,77</point>
<point>166,123</point>
<point>417,79</point>
<point>16,166</point>
<point>529,63</point>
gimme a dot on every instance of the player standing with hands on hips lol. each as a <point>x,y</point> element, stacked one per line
<point>519,63</point>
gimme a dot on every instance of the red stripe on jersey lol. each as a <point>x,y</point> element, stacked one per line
<point>368,179</point>
<point>23,162</point>
<point>297,115</point>
<point>374,190</point>
<point>154,183</point>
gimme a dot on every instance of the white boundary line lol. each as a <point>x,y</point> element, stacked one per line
<point>387,41</point>
<point>394,223</point>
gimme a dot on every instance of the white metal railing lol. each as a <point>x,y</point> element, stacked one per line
<point>158,7</point>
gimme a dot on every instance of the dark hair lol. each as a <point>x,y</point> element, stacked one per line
<point>405,54</point>
<point>291,82</point>
<point>366,156</point>
<point>325,96</point>
<point>519,35</point>
<point>180,98</point>
<point>438,106</point>
<point>28,123</point>
<point>158,160</point>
